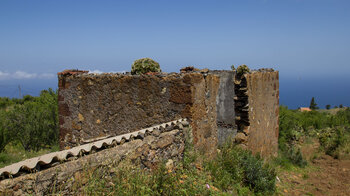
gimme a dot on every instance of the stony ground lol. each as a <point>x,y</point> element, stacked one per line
<point>324,175</point>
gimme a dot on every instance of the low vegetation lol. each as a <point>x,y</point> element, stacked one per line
<point>331,131</point>
<point>233,172</point>
<point>28,126</point>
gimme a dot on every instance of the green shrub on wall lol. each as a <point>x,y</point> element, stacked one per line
<point>145,65</point>
<point>242,69</point>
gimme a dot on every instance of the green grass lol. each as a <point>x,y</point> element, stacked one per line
<point>233,172</point>
<point>14,153</point>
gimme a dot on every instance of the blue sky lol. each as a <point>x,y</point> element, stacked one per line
<point>303,39</point>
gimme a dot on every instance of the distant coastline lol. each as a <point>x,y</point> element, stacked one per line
<point>293,93</point>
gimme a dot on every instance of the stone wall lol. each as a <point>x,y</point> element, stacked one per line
<point>94,106</point>
<point>225,106</point>
<point>218,104</point>
<point>203,112</point>
<point>263,98</point>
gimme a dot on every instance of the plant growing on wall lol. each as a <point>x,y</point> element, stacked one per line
<point>145,65</point>
<point>242,69</point>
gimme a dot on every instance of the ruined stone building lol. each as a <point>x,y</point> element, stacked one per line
<point>218,104</point>
<point>104,117</point>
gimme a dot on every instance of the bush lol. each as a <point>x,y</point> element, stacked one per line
<point>295,125</point>
<point>295,156</point>
<point>145,65</point>
<point>331,139</point>
<point>235,165</point>
<point>242,69</point>
<point>257,175</point>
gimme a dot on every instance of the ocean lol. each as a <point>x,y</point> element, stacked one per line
<point>294,93</point>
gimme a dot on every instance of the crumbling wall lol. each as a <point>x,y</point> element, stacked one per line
<point>203,112</point>
<point>263,98</point>
<point>225,106</point>
<point>218,104</point>
<point>93,106</point>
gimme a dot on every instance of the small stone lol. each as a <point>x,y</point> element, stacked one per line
<point>163,91</point>
<point>80,117</point>
<point>174,152</point>
<point>98,121</point>
<point>163,142</point>
<point>76,126</point>
<point>151,154</point>
<point>169,128</point>
<point>179,126</point>
<point>16,187</point>
<point>181,148</point>
<point>243,146</point>
<point>156,132</point>
<point>111,184</point>
<point>55,164</point>
<point>204,70</point>
<point>169,164</point>
<point>241,138</point>
<point>246,130</point>
<point>72,158</point>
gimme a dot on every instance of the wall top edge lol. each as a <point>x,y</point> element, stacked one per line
<point>76,72</point>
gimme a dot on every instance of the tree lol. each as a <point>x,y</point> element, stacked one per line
<point>313,104</point>
<point>341,106</point>
<point>328,106</point>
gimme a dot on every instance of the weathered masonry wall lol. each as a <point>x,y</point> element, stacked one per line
<point>263,98</point>
<point>218,104</point>
<point>95,106</point>
<point>204,107</point>
<point>225,106</point>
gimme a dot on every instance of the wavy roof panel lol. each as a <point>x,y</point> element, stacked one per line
<point>30,164</point>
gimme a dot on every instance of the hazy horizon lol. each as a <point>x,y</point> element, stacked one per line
<point>294,92</point>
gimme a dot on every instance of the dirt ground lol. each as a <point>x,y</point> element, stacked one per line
<point>324,175</point>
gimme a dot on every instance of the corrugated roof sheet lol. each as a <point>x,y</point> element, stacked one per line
<point>30,164</point>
